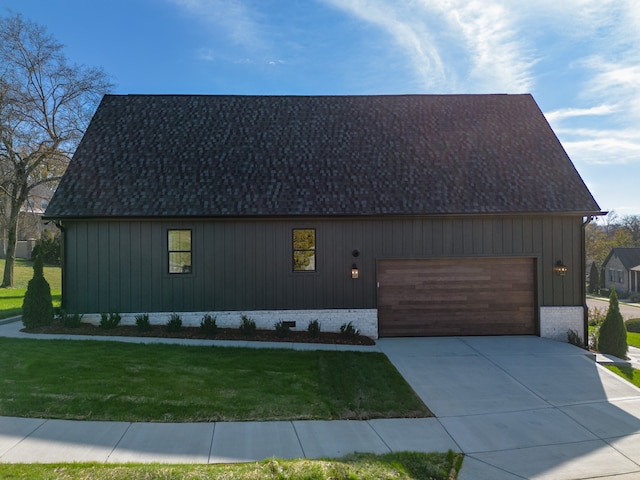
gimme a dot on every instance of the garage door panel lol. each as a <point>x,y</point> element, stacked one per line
<point>480,296</point>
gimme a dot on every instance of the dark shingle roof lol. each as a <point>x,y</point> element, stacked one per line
<point>629,257</point>
<point>190,155</point>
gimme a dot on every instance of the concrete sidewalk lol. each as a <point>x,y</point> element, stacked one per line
<point>25,440</point>
<point>518,407</point>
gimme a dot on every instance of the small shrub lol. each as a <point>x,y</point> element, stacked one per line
<point>110,321</point>
<point>208,325</point>
<point>612,338</point>
<point>247,326</point>
<point>633,325</point>
<point>37,307</point>
<point>596,316</point>
<point>174,324</point>
<point>313,328</point>
<point>70,320</point>
<point>142,322</point>
<point>348,330</point>
<point>282,329</point>
<point>574,338</point>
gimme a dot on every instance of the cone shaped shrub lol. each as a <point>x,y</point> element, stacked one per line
<point>37,308</point>
<point>613,334</point>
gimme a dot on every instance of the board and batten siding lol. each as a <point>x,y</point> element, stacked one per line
<point>246,264</point>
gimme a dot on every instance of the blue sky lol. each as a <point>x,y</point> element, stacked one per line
<point>579,58</point>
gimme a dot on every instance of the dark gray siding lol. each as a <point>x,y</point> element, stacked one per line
<point>246,264</point>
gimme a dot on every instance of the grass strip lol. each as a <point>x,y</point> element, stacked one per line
<point>92,380</point>
<point>401,465</point>
<point>630,374</point>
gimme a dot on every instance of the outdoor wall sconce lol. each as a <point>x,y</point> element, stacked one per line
<point>354,271</point>
<point>560,268</point>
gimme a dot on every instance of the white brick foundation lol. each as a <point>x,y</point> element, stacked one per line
<point>365,320</point>
<point>555,322</point>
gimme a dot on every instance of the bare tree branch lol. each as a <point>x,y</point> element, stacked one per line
<point>45,107</point>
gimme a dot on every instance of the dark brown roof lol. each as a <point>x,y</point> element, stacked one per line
<point>189,155</point>
<point>629,256</point>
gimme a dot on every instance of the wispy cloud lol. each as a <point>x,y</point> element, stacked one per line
<point>231,16</point>
<point>564,113</point>
<point>410,32</point>
<point>453,45</point>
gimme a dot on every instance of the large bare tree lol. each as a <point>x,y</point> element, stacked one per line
<point>45,106</point>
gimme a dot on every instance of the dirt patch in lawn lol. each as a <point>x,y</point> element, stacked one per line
<point>160,331</point>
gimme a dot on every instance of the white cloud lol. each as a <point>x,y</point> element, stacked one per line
<point>409,31</point>
<point>601,147</point>
<point>557,115</point>
<point>453,45</point>
<point>230,15</point>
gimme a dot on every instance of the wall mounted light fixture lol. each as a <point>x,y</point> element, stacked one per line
<point>355,273</point>
<point>560,268</point>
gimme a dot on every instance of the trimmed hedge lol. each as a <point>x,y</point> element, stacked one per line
<point>633,325</point>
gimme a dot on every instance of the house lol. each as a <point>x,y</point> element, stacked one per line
<point>405,214</point>
<point>30,225</point>
<point>621,270</point>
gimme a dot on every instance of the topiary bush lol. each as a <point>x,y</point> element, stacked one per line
<point>49,247</point>
<point>37,307</point>
<point>208,325</point>
<point>612,336</point>
<point>633,325</point>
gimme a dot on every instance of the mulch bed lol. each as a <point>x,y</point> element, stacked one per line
<point>160,331</point>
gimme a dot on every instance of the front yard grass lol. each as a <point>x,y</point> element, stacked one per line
<point>92,380</point>
<point>633,339</point>
<point>11,299</point>
<point>630,374</point>
<point>402,466</point>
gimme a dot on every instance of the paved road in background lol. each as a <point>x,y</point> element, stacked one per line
<point>627,310</point>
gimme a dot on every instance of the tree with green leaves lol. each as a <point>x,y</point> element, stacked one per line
<point>594,279</point>
<point>37,308</point>
<point>612,336</point>
<point>45,107</point>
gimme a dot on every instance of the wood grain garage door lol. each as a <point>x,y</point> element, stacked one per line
<point>479,296</point>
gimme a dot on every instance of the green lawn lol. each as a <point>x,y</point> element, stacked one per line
<point>633,339</point>
<point>628,373</point>
<point>11,298</point>
<point>401,466</point>
<point>92,380</point>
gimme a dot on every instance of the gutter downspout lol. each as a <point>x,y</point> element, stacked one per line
<point>583,285</point>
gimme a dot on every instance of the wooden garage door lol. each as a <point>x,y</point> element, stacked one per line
<point>479,296</point>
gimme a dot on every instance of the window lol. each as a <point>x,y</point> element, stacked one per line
<point>304,250</point>
<point>619,276</point>
<point>611,276</point>
<point>179,246</point>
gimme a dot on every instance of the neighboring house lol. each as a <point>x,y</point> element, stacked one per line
<point>30,225</point>
<point>622,269</point>
<point>406,214</point>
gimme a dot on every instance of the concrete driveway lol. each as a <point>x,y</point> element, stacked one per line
<point>525,407</point>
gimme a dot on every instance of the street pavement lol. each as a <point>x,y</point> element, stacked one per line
<point>517,407</point>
